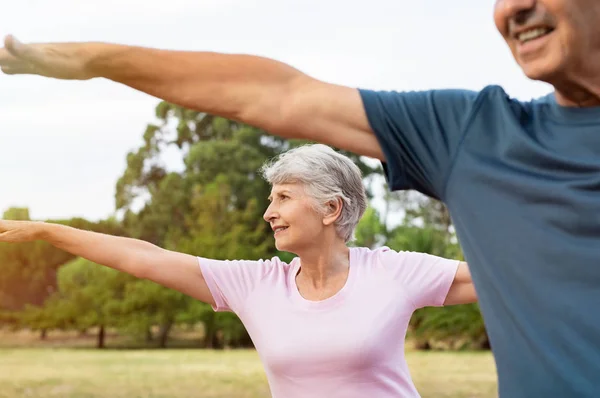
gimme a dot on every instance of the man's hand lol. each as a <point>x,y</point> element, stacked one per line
<point>60,61</point>
<point>20,231</point>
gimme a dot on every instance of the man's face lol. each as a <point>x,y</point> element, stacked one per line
<point>551,40</point>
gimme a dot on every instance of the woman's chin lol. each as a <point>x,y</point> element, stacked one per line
<point>284,246</point>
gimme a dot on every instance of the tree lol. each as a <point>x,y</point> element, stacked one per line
<point>29,269</point>
<point>210,205</point>
<point>220,233</point>
<point>453,327</point>
<point>146,304</point>
<point>421,239</point>
<point>89,295</point>
<point>370,231</point>
<point>209,146</point>
<point>422,210</point>
<point>17,214</point>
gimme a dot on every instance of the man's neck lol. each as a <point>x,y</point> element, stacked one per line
<point>577,100</point>
<point>577,93</point>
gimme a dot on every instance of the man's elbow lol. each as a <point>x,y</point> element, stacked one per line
<point>280,110</point>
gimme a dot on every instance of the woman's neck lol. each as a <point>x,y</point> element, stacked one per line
<point>320,266</point>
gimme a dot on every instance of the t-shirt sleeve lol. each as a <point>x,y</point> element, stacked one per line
<point>426,278</point>
<point>420,133</point>
<point>232,281</point>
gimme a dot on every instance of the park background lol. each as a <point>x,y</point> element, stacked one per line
<point>99,156</point>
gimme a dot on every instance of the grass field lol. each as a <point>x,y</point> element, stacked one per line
<point>175,373</point>
<point>64,365</point>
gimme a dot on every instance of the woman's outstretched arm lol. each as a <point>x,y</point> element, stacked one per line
<point>141,259</point>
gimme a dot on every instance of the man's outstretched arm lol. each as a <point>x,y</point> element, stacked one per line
<point>255,90</point>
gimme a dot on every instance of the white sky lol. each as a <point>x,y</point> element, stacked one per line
<point>63,144</point>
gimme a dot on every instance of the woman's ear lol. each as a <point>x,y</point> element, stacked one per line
<point>333,211</point>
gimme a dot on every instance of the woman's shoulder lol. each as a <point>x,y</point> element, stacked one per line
<point>383,256</point>
<point>277,266</point>
<point>368,254</point>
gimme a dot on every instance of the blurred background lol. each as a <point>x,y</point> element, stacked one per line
<point>100,156</point>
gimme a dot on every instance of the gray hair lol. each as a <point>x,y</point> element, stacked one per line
<point>327,175</point>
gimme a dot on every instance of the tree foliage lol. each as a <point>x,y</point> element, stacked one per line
<point>194,186</point>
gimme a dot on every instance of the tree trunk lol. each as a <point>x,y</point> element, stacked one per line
<point>101,337</point>
<point>43,334</point>
<point>246,341</point>
<point>163,334</point>
<point>422,345</point>
<point>483,343</point>
<point>211,340</point>
<point>149,336</point>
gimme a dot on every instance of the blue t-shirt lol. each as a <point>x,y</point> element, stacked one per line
<point>522,183</point>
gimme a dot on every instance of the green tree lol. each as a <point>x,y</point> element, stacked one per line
<point>89,295</point>
<point>210,205</point>
<point>29,269</point>
<point>146,304</point>
<point>17,214</point>
<point>28,273</point>
<point>370,231</point>
<point>220,233</point>
<point>448,327</point>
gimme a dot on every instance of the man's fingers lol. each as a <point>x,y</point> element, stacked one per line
<point>21,51</point>
<point>14,46</point>
<point>10,55</point>
<point>51,60</point>
<point>8,60</point>
<point>18,69</point>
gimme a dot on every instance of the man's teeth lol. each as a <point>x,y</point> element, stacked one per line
<point>533,34</point>
<point>280,229</point>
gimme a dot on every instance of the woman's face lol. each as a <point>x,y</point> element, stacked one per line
<point>294,218</point>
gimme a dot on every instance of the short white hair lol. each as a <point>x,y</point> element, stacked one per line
<point>327,176</point>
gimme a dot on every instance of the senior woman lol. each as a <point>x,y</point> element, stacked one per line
<point>332,322</point>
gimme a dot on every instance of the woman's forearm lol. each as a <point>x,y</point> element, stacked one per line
<point>120,253</point>
<point>178,271</point>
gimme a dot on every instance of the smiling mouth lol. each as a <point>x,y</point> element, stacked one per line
<point>533,34</point>
<point>279,229</point>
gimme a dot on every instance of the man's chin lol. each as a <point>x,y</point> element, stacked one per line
<point>540,70</point>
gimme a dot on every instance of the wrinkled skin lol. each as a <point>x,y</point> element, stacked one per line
<point>568,57</point>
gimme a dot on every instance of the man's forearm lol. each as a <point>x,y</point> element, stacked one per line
<point>240,87</point>
<point>123,254</point>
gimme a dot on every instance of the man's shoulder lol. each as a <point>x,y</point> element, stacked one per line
<point>496,93</point>
<point>493,102</point>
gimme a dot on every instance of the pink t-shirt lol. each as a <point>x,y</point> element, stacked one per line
<point>349,345</point>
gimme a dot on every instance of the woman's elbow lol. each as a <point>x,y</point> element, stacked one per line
<point>462,293</point>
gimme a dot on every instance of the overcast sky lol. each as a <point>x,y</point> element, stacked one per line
<point>63,144</point>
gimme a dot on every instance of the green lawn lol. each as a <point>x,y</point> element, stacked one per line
<point>85,373</point>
